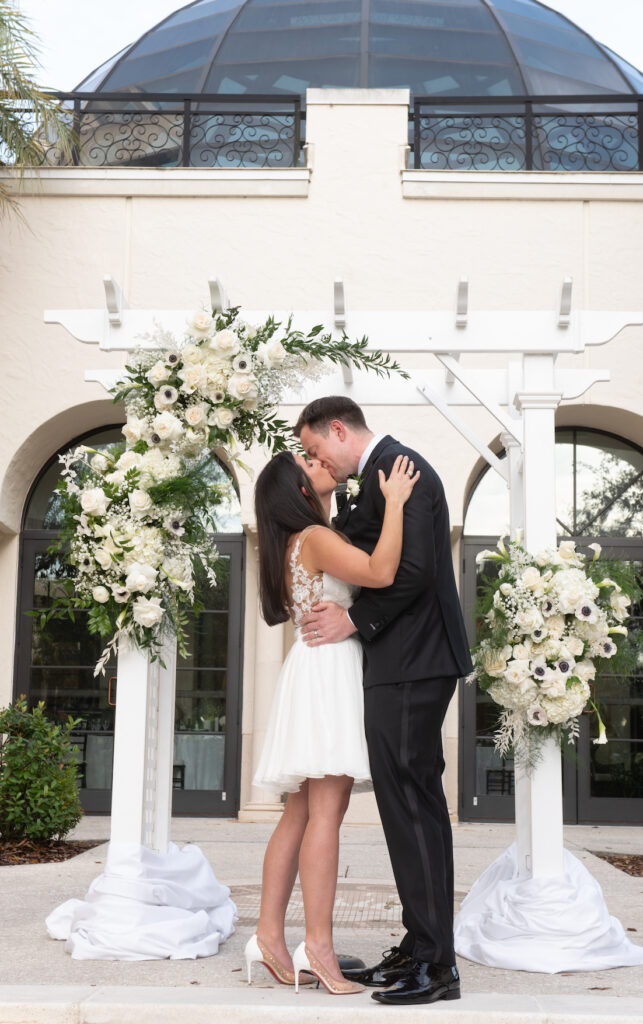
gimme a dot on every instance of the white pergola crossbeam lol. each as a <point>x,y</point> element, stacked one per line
<point>465,378</point>
<point>433,398</point>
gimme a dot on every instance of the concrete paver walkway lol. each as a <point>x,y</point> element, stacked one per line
<point>40,982</point>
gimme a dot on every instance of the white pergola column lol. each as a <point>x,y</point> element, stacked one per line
<point>143,748</point>
<point>539,794</point>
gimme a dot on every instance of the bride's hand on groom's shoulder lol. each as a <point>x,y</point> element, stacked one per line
<point>327,623</point>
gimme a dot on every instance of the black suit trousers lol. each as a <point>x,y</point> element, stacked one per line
<point>403,730</point>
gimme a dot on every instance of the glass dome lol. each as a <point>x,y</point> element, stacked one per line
<point>439,48</point>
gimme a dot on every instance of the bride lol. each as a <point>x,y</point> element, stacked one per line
<point>315,749</point>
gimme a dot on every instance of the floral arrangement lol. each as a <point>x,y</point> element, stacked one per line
<point>137,517</point>
<point>548,623</point>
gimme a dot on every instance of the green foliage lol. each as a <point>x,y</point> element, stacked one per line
<point>38,790</point>
<point>30,119</point>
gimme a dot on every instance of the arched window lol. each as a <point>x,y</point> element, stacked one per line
<point>599,489</point>
<point>599,497</point>
<point>55,664</point>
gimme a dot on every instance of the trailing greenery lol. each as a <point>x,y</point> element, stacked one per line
<point>38,788</point>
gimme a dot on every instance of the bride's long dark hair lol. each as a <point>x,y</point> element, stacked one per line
<point>281,509</point>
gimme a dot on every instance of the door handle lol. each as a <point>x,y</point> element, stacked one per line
<point>112,703</point>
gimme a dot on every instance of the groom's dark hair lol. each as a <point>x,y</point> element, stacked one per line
<point>319,414</point>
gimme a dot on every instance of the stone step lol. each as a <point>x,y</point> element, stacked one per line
<point>88,1004</point>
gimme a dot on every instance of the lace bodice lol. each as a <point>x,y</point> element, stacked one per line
<point>307,588</point>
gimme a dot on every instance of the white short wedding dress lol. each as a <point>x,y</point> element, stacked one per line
<point>316,724</point>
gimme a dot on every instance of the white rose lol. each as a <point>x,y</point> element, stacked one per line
<point>532,579</point>
<point>140,577</point>
<point>522,651</point>
<point>103,557</point>
<point>193,354</point>
<point>194,377</point>
<point>134,429</point>
<point>226,343</point>
<point>353,486</point>
<point>567,551</point>
<point>556,625</point>
<point>529,619</point>
<point>195,416</point>
<point>200,324</point>
<point>242,385</point>
<point>158,373</point>
<point>272,353</point>
<point>94,501</point>
<point>585,670</point>
<point>575,646</point>
<point>506,589</point>
<point>147,611</point>
<point>100,463</point>
<point>517,671</point>
<point>129,460</point>
<point>167,426</point>
<point>494,661</point>
<point>619,603</point>
<point>139,502</point>
<point>222,418</point>
<point>100,594</point>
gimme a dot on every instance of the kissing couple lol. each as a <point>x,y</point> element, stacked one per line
<point>379,646</point>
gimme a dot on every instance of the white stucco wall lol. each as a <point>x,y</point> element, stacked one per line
<point>400,239</point>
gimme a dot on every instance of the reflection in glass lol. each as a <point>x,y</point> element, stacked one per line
<point>599,489</point>
<point>494,773</point>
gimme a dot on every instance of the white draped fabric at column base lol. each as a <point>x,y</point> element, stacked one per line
<point>147,906</point>
<point>545,924</point>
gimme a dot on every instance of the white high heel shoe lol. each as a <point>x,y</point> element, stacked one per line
<point>304,960</point>
<point>258,953</point>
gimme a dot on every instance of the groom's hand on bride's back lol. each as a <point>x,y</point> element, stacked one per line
<point>327,623</point>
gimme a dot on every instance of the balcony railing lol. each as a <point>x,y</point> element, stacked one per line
<point>482,133</point>
<point>157,130</point>
<point>520,133</point>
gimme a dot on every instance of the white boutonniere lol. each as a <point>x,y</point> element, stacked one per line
<point>353,485</point>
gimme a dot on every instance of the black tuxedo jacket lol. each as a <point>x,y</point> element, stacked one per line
<point>414,628</point>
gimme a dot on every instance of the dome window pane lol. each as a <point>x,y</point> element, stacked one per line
<point>298,15</point>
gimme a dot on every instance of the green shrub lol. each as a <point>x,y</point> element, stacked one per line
<point>38,791</point>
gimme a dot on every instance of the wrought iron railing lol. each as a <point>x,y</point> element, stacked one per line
<point>157,130</point>
<point>520,133</point>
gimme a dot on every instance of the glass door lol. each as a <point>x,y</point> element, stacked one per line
<point>56,665</point>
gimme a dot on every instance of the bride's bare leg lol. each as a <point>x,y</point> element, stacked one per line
<point>318,861</point>
<point>280,865</point>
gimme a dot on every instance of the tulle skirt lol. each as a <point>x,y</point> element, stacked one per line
<point>316,724</point>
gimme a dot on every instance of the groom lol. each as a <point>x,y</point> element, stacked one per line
<point>415,648</point>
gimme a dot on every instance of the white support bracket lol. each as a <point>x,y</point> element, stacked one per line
<point>565,308</point>
<point>115,300</point>
<point>339,320</point>
<point>462,303</point>
<point>218,297</point>
<point>434,399</point>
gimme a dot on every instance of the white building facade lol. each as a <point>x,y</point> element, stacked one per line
<point>400,239</point>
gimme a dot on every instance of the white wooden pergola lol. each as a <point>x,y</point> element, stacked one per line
<point>522,396</point>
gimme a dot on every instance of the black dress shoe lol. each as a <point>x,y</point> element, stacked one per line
<point>350,963</point>
<point>394,964</point>
<point>422,983</point>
